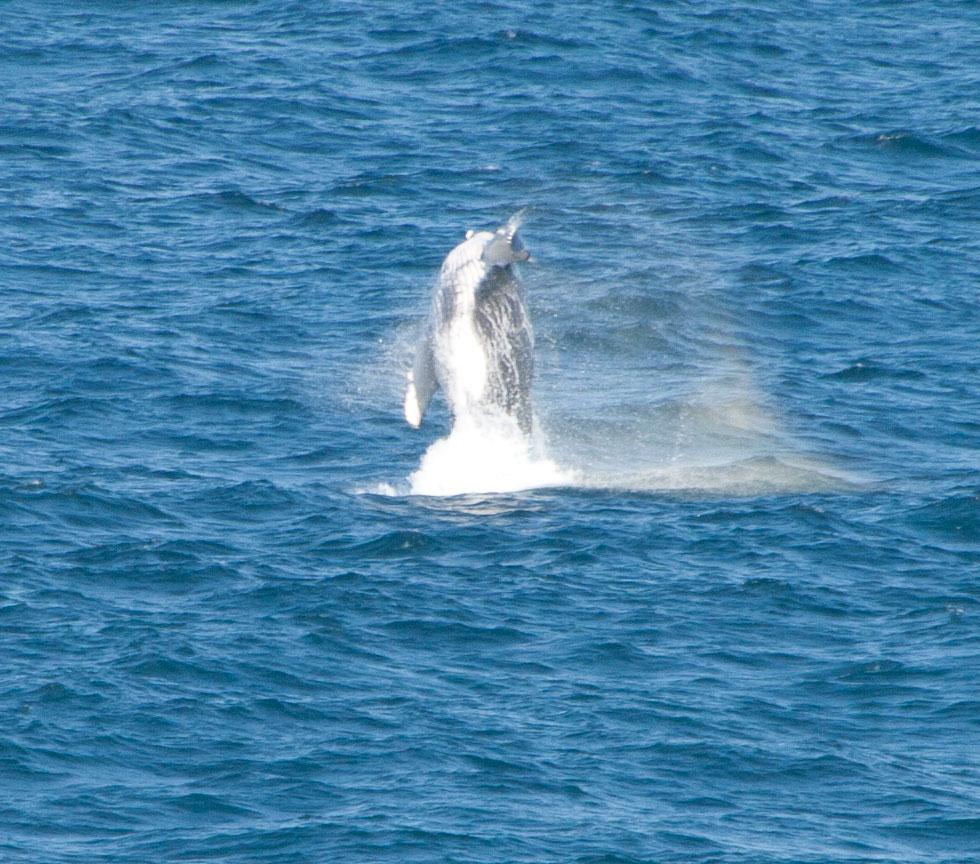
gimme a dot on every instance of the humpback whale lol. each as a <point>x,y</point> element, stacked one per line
<point>478,344</point>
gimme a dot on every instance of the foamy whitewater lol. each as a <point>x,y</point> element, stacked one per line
<point>487,453</point>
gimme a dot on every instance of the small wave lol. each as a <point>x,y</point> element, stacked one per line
<point>384,489</point>
<point>873,261</point>
<point>967,139</point>
<point>226,200</point>
<point>209,806</point>
<point>396,544</point>
<point>319,216</point>
<point>952,519</point>
<point>866,369</point>
<point>906,144</point>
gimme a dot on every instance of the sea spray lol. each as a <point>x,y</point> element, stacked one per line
<point>486,452</point>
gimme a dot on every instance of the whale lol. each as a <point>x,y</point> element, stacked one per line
<point>477,344</point>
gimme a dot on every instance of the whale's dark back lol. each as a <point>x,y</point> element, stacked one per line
<point>504,326</point>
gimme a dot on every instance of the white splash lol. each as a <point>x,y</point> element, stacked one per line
<point>487,453</point>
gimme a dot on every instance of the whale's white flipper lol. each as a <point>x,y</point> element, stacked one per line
<point>422,382</point>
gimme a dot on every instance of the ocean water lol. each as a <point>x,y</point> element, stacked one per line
<point>725,609</point>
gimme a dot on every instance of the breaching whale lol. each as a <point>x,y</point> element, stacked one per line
<point>478,344</point>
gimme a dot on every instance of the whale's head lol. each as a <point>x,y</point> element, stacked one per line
<point>505,245</point>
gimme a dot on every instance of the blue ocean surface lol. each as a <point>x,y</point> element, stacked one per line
<point>729,609</point>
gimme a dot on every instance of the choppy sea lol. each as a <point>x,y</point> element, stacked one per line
<point>247,614</point>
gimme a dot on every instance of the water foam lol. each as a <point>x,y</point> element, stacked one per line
<point>487,453</point>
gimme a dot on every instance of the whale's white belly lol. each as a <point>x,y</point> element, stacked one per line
<point>464,363</point>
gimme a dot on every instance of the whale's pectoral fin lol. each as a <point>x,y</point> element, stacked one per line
<point>511,225</point>
<point>422,382</point>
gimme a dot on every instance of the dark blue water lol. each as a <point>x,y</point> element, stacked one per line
<point>747,630</point>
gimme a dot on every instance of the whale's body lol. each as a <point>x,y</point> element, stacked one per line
<point>478,344</point>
